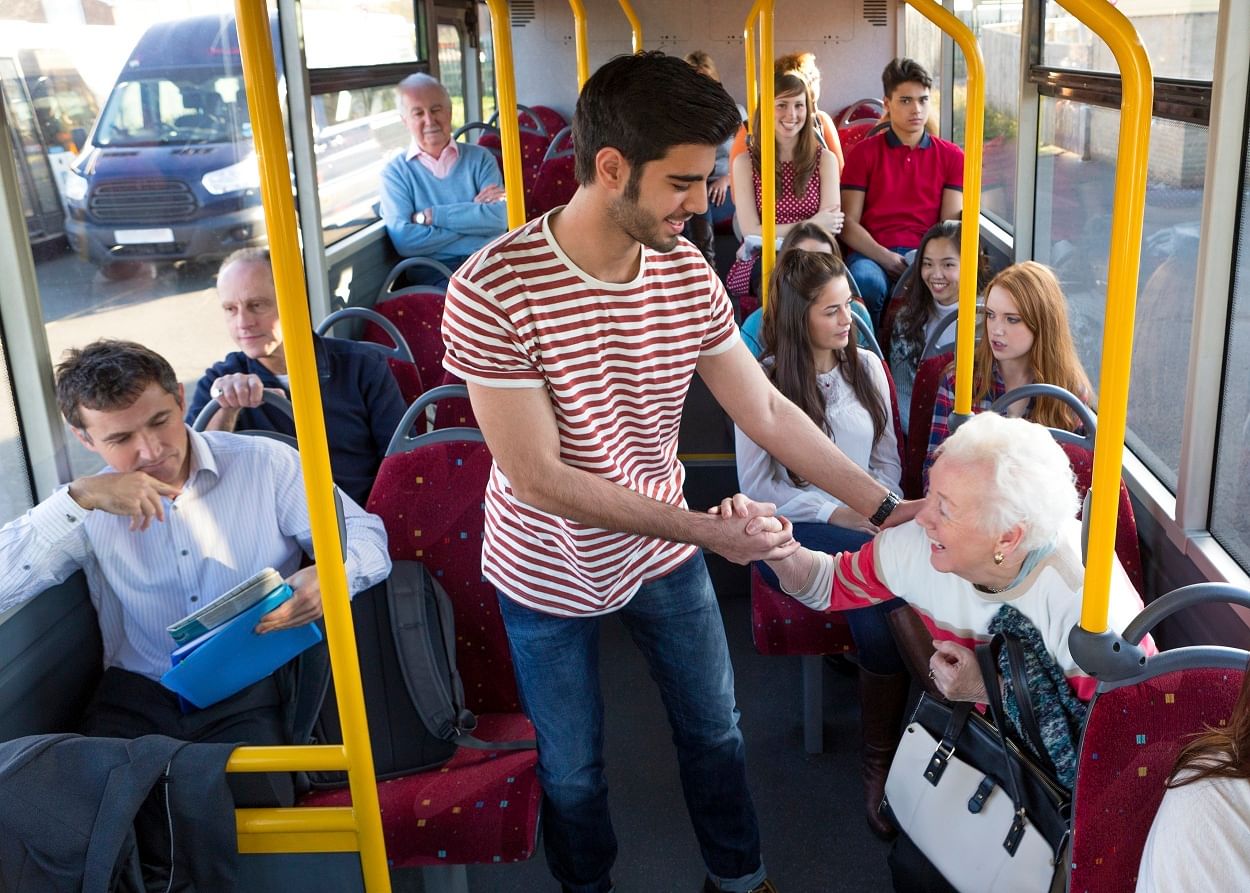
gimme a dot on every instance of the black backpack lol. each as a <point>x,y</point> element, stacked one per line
<point>414,699</point>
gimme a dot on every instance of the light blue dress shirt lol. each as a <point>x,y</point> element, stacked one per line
<point>242,509</point>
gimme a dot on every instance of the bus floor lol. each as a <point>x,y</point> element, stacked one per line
<point>814,835</point>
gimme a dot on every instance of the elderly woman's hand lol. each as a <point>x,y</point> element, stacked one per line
<point>954,669</point>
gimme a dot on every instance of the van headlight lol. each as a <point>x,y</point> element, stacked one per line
<point>235,178</point>
<point>75,188</point>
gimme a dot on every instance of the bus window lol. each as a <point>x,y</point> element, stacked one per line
<point>1075,182</point>
<point>41,204</point>
<point>15,489</point>
<point>1179,36</point>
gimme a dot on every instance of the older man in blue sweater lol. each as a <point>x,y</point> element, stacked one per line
<point>440,199</point>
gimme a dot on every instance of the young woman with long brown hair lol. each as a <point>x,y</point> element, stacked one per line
<point>807,181</point>
<point>811,356</point>
<point>1026,340</point>
<point>1205,813</point>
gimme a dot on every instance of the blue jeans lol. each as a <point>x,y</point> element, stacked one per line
<point>676,624</point>
<point>874,284</point>
<point>874,643</point>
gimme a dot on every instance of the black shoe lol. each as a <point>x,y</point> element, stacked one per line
<point>766,887</point>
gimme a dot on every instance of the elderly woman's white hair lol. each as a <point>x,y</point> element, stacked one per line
<point>1029,479</point>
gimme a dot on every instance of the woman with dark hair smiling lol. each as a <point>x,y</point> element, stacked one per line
<point>810,354</point>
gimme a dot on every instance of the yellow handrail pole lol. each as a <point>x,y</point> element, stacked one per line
<point>261,81</point>
<point>1128,210</point>
<point>748,43</point>
<point>974,135</point>
<point>768,151</point>
<point>509,130</point>
<point>580,43</point>
<point>635,26</point>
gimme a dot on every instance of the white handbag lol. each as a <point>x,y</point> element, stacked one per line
<point>984,813</point>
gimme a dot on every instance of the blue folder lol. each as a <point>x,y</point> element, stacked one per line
<point>229,658</point>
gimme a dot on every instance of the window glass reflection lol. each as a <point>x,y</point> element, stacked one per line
<point>1179,37</point>
<point>1076,171</point>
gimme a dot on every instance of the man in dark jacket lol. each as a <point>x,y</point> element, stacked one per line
<point>361,400</point>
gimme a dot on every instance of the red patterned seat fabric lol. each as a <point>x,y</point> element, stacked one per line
<point>407,377</point>
<point>456,412</point>
<point>1131,740</point>
<point>552,120</point>
<point>1127,547</point>
<point>554,184</point>
<point>920,420</point>
<point>482,806</point>
<point>418,314</point>
<point>430,500</point>
<point>782,625</point>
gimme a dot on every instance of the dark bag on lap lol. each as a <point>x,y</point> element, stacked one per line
<point>414,699</point>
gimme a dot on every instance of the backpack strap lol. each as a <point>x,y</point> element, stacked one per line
<point>423,625</point>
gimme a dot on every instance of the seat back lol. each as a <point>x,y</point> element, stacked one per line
<point>555,183</point>
<point>431,498</point>
<point>1127,546</point>
<point>418,315</point>
<point>1135,729</point>
<point>398,354</point>
<point>920,421</point>
<point>783,625</point>
<point>551,120</point>
<point>854,133</point>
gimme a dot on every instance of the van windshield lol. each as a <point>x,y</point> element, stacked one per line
<point>173,110</point>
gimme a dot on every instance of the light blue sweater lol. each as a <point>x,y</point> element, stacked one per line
<point>460,226</point>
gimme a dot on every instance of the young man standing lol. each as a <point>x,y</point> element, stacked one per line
<point>897,185</point>
<point>578,334</point>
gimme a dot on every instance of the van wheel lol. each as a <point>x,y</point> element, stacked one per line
<point>120,270</point>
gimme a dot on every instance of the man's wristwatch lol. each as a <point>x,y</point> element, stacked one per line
<point>888,505</point>
<point>419,218</point>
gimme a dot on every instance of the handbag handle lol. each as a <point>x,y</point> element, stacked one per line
<point>989,675</point>
<point>1024,699</point>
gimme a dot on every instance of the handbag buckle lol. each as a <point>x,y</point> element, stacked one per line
<point>977,800</point>
<point>1015,834</point>
<point>937,764</point>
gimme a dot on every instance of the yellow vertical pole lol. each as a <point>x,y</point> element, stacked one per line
<point>260,79</point>
<point>579,42</point>
<point>748,43</point>
<point>509,130</point>
<point>768,150</point>
<point>634,25</point>
<point>974,134</point>
<point>1128,210</point>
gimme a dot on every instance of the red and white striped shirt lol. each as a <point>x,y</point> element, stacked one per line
<point>616,359</point>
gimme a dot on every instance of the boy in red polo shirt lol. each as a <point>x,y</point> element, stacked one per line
<point>897,184</point>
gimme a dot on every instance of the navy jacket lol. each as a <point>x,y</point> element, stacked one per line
<point>68,803</point>
<point>361,400</point>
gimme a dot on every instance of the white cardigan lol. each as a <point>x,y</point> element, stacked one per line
<point>764,480</point>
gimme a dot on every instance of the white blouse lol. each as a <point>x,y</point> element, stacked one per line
<point>1200,839</point>
<point>765,480</point>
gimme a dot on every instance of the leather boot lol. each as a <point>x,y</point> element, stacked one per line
<point>915,646</point>
<point>882,700</point>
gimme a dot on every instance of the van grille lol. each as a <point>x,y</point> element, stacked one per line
<point>150,200</point>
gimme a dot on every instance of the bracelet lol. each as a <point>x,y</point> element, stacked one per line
<point>888,505</point>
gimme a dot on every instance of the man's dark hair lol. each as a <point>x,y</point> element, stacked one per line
<point>901,71</point>
<point>108,375</point>
<point>642,106</point>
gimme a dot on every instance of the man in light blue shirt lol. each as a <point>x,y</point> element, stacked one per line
<point>440,199</point>
<point>176,519</point>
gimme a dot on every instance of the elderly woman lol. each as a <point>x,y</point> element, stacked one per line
<point>998,526</point>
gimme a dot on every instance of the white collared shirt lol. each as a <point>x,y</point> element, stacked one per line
<point>439,165</point>
<point>242,509</point>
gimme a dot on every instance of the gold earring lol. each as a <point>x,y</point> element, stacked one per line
<point>998,557</point>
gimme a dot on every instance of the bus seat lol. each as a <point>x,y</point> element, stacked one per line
<point>1133,732</point>
<point>781,625</point>
<point>454,412</point>
<point>482,806</point>
<point>855,133</point>
<point>1127,546</point>
<point>533,148</point>
<point>398,354</point>
<point>555,182</point>
<point>50,661</point>
<point>444,408</point>
<point>551,120</point>
<point>920,420</point>
<point>418,314</point>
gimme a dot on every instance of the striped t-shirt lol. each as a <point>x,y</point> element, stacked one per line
<point>616,359</point>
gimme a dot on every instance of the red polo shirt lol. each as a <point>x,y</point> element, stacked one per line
<point>902,186</point>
